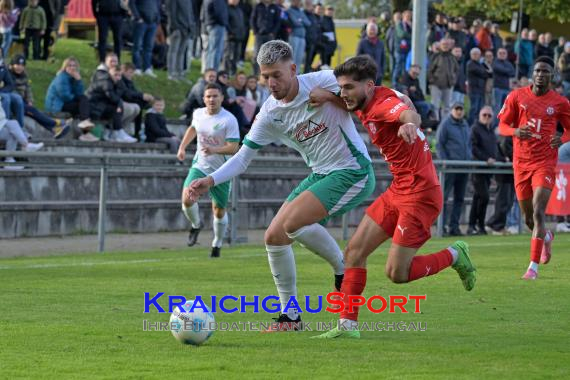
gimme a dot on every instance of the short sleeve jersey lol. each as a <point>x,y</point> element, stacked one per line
<point>410,164</point>
<point>542,114</point>
<point>325,136</point>
<point>212,131</point>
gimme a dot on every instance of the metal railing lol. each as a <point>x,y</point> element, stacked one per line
<point>133,162</point>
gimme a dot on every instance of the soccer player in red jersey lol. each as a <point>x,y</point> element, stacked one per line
<point>410,205</point>
<point>531,115</point>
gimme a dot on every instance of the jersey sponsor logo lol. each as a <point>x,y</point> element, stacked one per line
<point>209,140</point>
<point>396,108</point>
<point>372,127</point>
<point>548,179</point>
<point>307,131</point>
<point>550,111</point>
<point>217,126</point>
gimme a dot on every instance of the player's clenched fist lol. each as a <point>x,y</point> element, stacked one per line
<point>408,132</point>
<point>523,132</point>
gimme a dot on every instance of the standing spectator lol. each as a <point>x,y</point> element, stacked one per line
<point>391,39</point>
<point>456,32</point>
<point>471,40</point>
<point>12,132</point>
<point>496,38</point>
<point>312,37</point>
<point>33,22</point>
<point>246,9</point>
<point>564,67</point>
<point>8,18</point>
<point>503,72</point>
<point>454,143</point>
<point>563,158</point>
<point>484,148</point>
<point>181,29</point>
<point>438,29</point>
<point>155,127</point>
<point>543,47</point>
<point>411,86</point>
<point>146,14</point>
<point>51,9</point>
<point>484,37</point>
<point>130,94</point>
<point>58,127</point>
<point>402,45</point>
<point>505,189</point>
<point>265,21</point>
<point>459,90</point>
<point>299,24</point>
<point>65,93</point>
<point>559,49</point>
<point>374,47</point>
<point>234,37</point>
<point>488,64</point>
<point>285,25</point>
<point>442,76</point>
<point>108,14</point>
<point>328,33</point>
<point>216,24</point>
<point>524,48</point>
<point>477,75</point>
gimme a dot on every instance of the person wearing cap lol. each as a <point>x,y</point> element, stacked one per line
<point>58,127</point>
<point>564,68</point>
<point>454,143</point>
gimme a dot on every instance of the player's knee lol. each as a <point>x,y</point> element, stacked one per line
<point>396,274</point>
<point>219,212</point>
<point>275,236</point>
<point>290,226</point>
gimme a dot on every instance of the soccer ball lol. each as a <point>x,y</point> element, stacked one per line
<point>194,327</point>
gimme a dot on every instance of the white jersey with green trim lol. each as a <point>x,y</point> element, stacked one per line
<point>325,136</point>
<point>212,131</point>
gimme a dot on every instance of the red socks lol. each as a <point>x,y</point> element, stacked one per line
<point>352,285</point>
<point>536,245</point>
<point>427,265</point>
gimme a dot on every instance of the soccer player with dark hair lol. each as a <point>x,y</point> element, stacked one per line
<point>531,114</point>
<point>410,205</point>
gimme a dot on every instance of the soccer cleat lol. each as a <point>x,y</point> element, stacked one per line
<point>285,324</point>
<point>215,252</point>
<point>338,281</point>
<point>338,333</point>
<point>530,275</point>
<point>193,235</point>
<point>464,267</point>
<point>547,250</point>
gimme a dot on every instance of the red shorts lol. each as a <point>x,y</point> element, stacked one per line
<point>407,218</point>
<point>528,180</point>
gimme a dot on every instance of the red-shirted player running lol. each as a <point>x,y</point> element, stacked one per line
<point>410,205</point>
<point>531,114</point>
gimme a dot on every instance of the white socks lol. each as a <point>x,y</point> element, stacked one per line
<point>282,264</point>
<point>317,239</point>
<point>548,236</point>
<point>347,324</point>
<point>219,230</point>
<point>533,266</point>
<point>192,213</point>
<point>453,253</point>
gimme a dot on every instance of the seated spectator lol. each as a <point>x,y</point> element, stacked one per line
<point>65,94</point>
<point>256,92</point>
<point>231,104</point>
<point>155,126</point>
<point>106,104</point>
<point>411,86</point>
<point>58,127</point>
<point>238,86</point>
<point>195,98</point>
<point>12,103</point>
<point>238,92</point>
<point>373,47</point>
<point>130,94</point>
<point>12,133</point>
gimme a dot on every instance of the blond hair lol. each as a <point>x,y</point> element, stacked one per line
<point>66,62</point>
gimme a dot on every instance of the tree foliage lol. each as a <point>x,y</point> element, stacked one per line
<point>502,10</point>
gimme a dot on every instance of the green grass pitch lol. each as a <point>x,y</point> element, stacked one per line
<point>82,317</point>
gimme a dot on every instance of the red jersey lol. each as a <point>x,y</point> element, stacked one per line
<point>542,114</point>
<point>410,164</point>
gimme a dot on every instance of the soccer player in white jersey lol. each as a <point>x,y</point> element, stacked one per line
<point>218,136</point>
<point>300,113</point>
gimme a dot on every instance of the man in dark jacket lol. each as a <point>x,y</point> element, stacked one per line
<point>146,14</point>
<point>246,9</point>
<point>458,94</point>
<point>234,37</point>
<point>265,21</point>
<point>484,148</point>
<point>371,45</point>
<point>312,36</point>
<point>442,75</point>
<point>328,36</point>
<point>454,143</point>
<point>129,93</point>
<point>108,14</point>
<point>217,22</point>
<point>411,86</point>
<point>181,28</point>
<point>505,189</point>
<point>503,72</point>
<point>477,75</point>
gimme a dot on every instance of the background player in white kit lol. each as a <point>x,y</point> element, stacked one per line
<point>300,113</point>
<point>218,136</point>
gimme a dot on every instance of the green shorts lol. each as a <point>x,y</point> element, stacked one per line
<point>220,194</point>
<point>339,191</point>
